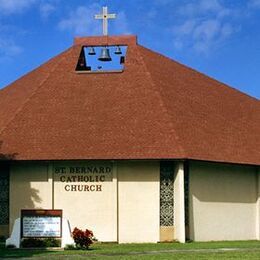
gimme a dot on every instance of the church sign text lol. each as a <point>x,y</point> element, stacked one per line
<point>41,223</point>
<point>83,178</point>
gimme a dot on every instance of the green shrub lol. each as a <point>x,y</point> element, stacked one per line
<point>40,243</point>
<point>70,247</point>
<point>10,246</point>
<point>52,242</point>
<point>32,242</point>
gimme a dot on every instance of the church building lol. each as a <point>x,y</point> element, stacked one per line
<point>131,145</point>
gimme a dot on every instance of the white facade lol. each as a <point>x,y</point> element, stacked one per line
<point>123,204</point>
<point>223,202</point>
<point>139,201</point>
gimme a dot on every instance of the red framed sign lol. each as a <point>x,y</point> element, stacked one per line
<point>41,223</point>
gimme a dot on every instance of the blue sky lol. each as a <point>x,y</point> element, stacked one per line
<point>220,38</point>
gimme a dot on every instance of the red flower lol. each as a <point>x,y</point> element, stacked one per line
<point>82,239</point>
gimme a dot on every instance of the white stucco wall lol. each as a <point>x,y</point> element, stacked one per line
<point>258,205</point>
<point>179,208</point>
<point>30,188</point>
<point>126,209</point>
<point>95,210</point>
<point>139,201</point>
<point>222,202</point>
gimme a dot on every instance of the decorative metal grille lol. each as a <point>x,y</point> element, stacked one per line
<point>166,194</point>
<point>4,196</point>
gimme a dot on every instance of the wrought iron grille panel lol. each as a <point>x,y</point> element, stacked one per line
<point>166,194</point>
<point>4,196</point>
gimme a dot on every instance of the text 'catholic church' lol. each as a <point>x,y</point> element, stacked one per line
<point>132,145</point>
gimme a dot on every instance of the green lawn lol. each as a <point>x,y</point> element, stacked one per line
<point>209,250</point>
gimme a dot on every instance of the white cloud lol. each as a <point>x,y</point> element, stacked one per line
<point>186,28</point>
<point>254,4</point>
<point>8,33</point>
<point>204,7</point>
<point>81,22</point>
<point>46,9</point>
<point>209,33</point>
<point>120,25</point>
<point>227,30</point>
<point>9,48</point>
<point>162,2</point>
<point>15,6</point>
<point>201,7</point>
<point>204,25</point>
<point>207,30</point>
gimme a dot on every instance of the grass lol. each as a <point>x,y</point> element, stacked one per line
<point>195,250</point>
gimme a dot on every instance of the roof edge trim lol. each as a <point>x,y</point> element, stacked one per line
<point>106,40</point>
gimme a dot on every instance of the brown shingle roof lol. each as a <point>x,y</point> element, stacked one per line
<point>156,109</point>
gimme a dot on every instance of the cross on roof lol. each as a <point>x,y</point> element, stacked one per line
<point>105,16</point>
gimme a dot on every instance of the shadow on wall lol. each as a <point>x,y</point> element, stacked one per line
<point>223,183</point>
<point>31,197</point>
<point>216,188</point>
<point>22,194</point>
<point>6,157</point>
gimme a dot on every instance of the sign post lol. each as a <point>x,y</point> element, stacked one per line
<point>41,224</point>
<point>35,225</point>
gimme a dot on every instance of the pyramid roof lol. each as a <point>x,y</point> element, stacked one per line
<point>156,108</point>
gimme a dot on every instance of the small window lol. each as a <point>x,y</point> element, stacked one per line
<point>94,59</point>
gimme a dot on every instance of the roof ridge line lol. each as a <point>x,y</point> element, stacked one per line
<point>33,93</point>
<point>163,105</point>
